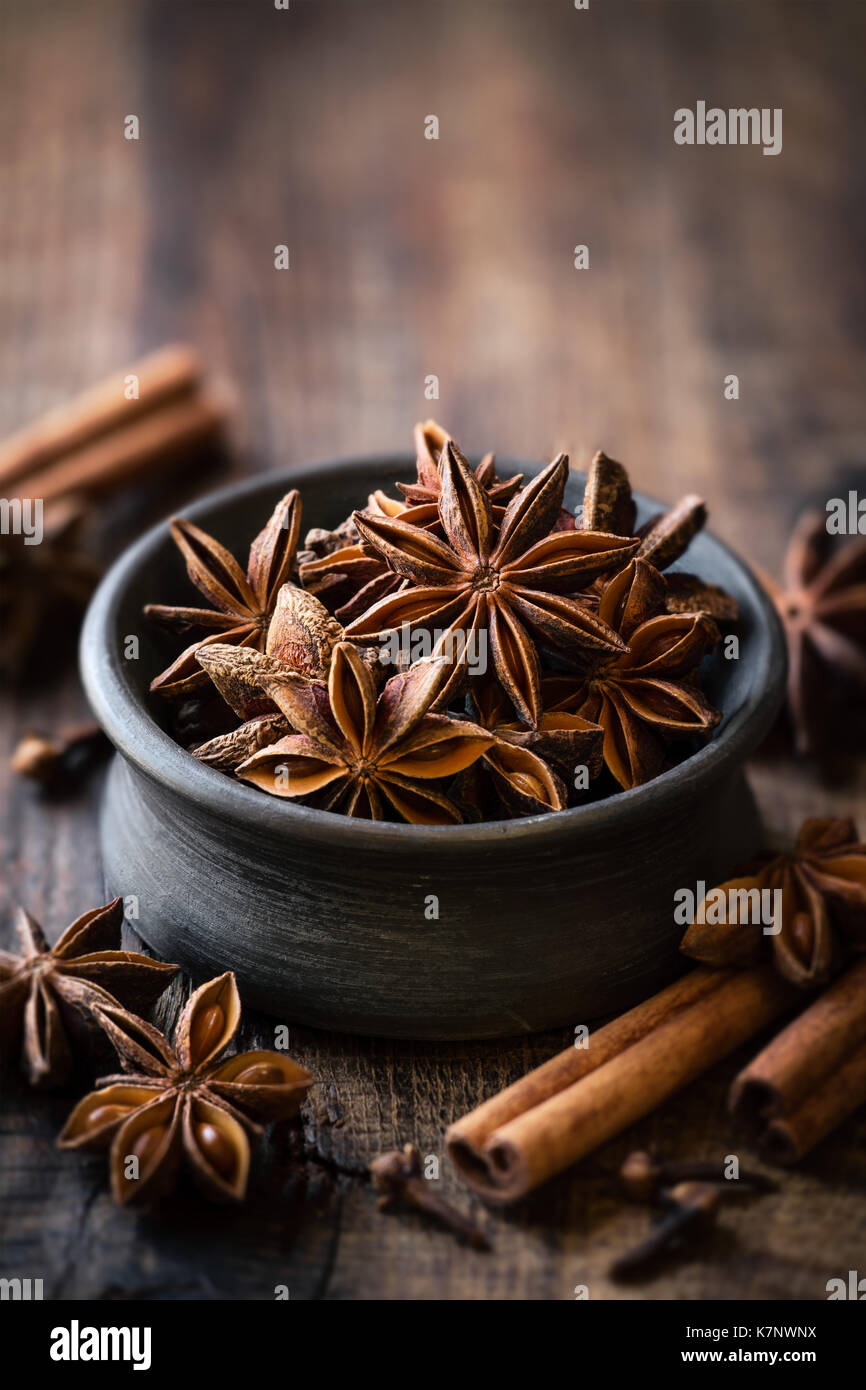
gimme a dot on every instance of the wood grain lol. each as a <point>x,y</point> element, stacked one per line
<point>454,257</point>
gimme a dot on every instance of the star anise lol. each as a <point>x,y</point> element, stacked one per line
<point>608,506</point>
<point>823,887</point>
<point>430,441</point>
<point>822,604</point>
<point>182,1104</point>
<point>235,674</point>
<point>511,584</point>
<point>530,769</point>
<point>647,695</point>
<point>363,756</point>
<point>352,577</point>
<point>47,992</point>
<point>301,638</point>
<point>302,634</point>
<point>348,575</point>
<point>243,604</point>
<point>42,586</point>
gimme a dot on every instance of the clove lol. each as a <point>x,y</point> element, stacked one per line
<point>62,760</point>
<point>645,1174</point>
<point>689,1210</point>
<point>397,1176</point>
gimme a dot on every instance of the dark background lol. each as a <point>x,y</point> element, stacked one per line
<point>453,257</point>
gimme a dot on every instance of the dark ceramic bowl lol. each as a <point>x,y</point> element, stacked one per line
<point>543,921</point>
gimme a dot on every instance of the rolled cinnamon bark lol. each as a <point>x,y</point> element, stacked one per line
<point>142,446</point>
<point>788,1137</point>
<point>805,1054</point>
<point>518,1140</point>
<point>569,1066</point>
<point>163,376</point>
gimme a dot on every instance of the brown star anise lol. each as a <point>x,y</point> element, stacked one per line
<point>363,756</point>
<point>823,901</point>
<point>608,506</point>
<point>647,695</point>
<point>242,603</point>
<point>349,575</point>
<point>301,638</point>
<point>506,583</point>
<point>182,1103</point>
<point>430,441</point>
<point>235,672</point>
<point>353,577</point>
<point>822,604</point>
<point>353,573</point>
<point>530,769</point>
<point>47,992</point>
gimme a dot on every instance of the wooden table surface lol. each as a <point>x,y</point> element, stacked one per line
<point>412,257</point>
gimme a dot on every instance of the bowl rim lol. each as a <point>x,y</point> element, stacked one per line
<point>139,740</point>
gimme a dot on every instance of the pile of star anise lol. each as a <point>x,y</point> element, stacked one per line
<point>466,651</point>
<point>180,1104</point>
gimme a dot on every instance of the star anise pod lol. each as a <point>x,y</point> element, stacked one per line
<point>822,605</point>
<point>608,506</point>
<point>531,769</point>
<point>511,583</point>
<point>320,541</point>
<point>430,441</point>
<point>647,695</point>
<point>41,586</point>
<point>243,604</point>
<point>183,1104</point>
<point>302,634</point>
<point>823,887</point>
<point>47,991</point>
<point>363,756</point>
<point>301,638</point>
<point>352,577</point>
<point>235,673</point>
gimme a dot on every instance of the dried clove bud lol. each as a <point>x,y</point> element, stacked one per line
<point>397,1176</point>
<point>645,1174</point>
<point>61,760</point>
<point>689,1209</point>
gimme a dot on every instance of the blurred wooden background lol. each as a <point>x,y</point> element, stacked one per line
<point>412,257</point>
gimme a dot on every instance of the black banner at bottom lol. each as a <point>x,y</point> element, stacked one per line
<point>151,1338</point>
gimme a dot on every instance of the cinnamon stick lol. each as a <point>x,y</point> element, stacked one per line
<point>163,376</point>
<point>569,1066</point>
<point>812,1076</point>
<point>788,1137</point>
<point>630,1066</point>
<point>151,441</point>
<point>811,1048</point>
